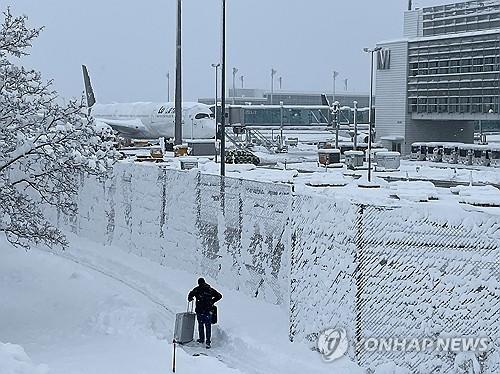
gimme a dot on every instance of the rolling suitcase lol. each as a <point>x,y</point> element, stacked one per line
<point>184,326</point>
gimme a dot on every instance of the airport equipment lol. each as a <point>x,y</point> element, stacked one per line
<point>329,156</point>
<point>201,147</point>
<point>292,142</point>
<point>374,152</point>
<point>181,150</point>
<point>155,155</point>
<point>430,150</point>
<point>418,152</point>
<point>388,161</point>
<point>465,152</point>
<point>346,147</point>
<point>354,159</point>
<point>450,152</point>
<point>241,156</point>
<point>435,152</point>
<point>495,155</point>
<point>481,155</point>
<point>188,164</point>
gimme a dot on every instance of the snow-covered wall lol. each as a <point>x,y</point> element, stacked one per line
<point>396,272</point>
<point>420,270</point>
<point>175,218</point>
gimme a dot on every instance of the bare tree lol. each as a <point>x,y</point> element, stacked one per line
<point>44,146</point>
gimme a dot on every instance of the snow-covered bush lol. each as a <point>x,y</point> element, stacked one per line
<point>44,146</point>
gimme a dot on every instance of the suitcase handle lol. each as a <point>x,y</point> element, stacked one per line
<point>190,304</point>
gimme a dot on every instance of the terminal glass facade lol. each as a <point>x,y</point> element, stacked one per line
<point>455,75</point>
<point>296,117</point>
<point>461,17</point>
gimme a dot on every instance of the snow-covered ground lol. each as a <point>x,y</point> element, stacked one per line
<point>95,309</point>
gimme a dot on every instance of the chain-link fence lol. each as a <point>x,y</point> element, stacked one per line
<point>422,270</point>
<point>231,229</point>
<point>409,272</point>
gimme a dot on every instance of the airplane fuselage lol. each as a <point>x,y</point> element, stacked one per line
<point>154,120</point>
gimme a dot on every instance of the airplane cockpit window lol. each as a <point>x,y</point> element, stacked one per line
<point>202,116</point>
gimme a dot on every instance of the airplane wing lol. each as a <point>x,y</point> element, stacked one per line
<point>129,128</point>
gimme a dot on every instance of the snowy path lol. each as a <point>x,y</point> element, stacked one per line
<point>108,311</point>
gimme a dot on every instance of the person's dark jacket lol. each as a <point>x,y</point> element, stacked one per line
<point>205,296</point>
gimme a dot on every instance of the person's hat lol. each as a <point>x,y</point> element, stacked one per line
<point>201,281</point>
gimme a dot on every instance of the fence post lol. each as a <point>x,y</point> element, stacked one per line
<point>359,274</point>
<point>223,195</point>
<point>293,245</point>
<point>163,181</point>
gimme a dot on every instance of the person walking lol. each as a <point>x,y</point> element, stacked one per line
<point>206,297</point>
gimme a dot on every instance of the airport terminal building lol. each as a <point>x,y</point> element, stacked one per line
<point>442,78</point>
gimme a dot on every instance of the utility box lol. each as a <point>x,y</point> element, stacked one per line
<point>354,159</point>
<point>329,156</point>
<point>292,142</point>
<point>188,163</point>
<point>388,161</point>
<point>201,147</point>
<point>181,150</point>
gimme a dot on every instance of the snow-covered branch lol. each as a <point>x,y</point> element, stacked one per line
<point>44,147</point>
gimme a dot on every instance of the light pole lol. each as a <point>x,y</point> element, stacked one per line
<point>370,115</point>
<point>335,75</point>
<point>355,140</point>
<point>168,87</point>
<point>273,73</point>
<point>223,96</point>
<point>235,71</point>
<point>280,80</point>
<point>336,111</point>
<point>242,79</point>
<point>216,68</point>
<point>281,125</point>
<point>178,78</point>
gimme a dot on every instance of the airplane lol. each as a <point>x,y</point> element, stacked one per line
<point>146,120</point>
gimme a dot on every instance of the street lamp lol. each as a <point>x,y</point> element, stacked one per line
<point>281,125</point>
<point>370,115</point>
<point>223,98</point>
<point>235,71</point>
<point>178,78</point>
<point>273,73</point>
<point>336,113</point>
<point>216,67</point>
<point>280,80</point>
<point>242,79</point>
<point>355,139</point>
<point>335,75</point>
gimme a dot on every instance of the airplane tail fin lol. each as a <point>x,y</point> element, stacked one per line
<point>324,100</point>
<point>89,92</point>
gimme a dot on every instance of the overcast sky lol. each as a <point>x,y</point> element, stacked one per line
<point>130,45</point>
